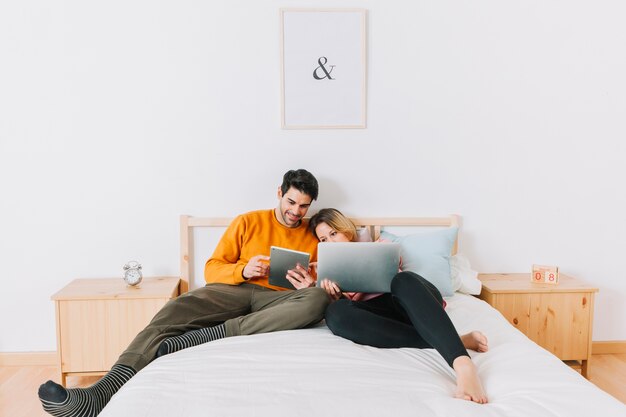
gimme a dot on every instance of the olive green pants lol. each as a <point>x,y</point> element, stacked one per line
<point>244,309</point>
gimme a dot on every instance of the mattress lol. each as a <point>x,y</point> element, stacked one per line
<point>311,372</point>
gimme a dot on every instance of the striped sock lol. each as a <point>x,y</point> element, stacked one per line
<point>191,338</point>
<point>83,402</point>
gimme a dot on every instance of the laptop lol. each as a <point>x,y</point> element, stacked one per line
<point>358,266</point>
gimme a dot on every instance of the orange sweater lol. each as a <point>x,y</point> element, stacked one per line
<point>249,235</point>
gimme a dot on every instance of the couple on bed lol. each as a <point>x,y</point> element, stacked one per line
<point>238,300</point>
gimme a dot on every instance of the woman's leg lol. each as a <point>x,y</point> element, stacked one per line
<point>374,323</point>
<point>474,340</point>
<point>422,303</point>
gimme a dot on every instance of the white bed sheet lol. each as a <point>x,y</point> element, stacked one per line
<point>311,372</point>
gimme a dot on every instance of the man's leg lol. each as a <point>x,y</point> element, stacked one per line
<point>191,338</point>
<point>271,311</point>
<point>87,402</point>
<point>280,310</point>
<point>203,307</point>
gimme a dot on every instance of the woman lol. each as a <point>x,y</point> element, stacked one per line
<point>412,315</point>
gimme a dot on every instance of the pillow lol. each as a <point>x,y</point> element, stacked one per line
<point>363,235</point>
<point>464,278</point>
<point>428,255</point>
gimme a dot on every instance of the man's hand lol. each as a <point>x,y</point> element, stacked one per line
<point>256,267</point>
<point>300,277</point>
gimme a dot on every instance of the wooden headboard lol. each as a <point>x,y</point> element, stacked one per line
<point>374,224</point>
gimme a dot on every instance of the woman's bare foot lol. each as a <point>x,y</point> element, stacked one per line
<point>468,385</point>
<point>475,341</point>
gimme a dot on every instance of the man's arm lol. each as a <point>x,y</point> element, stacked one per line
<point>226,265</point>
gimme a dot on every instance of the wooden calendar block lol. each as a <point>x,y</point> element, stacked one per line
<point>543,274</point>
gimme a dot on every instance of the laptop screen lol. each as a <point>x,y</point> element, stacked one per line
<point>358,266</point>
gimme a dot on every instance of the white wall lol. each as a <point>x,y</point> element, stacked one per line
<point>117,116</point>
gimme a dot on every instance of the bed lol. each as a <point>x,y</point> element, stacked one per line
<point>311,372</point>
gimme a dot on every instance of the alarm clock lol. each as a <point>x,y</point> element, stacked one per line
<point>132,273</point>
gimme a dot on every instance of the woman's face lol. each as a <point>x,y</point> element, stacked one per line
<point>325,233</point>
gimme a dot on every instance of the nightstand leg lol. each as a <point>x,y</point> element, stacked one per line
<point>584,370</point>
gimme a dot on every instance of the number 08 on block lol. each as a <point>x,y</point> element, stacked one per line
<point>543,274</point>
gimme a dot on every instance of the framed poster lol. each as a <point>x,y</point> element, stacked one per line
<point>323,68</point>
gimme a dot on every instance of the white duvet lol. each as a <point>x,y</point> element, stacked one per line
<point>311,372</point>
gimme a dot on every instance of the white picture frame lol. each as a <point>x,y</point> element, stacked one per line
<point>323,68</point>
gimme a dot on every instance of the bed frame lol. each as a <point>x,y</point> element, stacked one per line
<point>374,224</point>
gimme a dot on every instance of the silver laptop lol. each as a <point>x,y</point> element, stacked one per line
<point>358,266</point>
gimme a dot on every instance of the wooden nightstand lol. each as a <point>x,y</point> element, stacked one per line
<point>98,318</point>
<point>557,317</point>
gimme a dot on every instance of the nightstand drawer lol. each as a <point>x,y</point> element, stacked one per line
<point>93,333</point>
<point>558,322</point>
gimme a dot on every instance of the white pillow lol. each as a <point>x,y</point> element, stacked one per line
<point>464,278</point>
<point>363,235</point>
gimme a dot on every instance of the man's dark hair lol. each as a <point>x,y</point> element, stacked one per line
<point>302,180</point>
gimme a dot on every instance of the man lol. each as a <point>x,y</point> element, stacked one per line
<point>238,299</point>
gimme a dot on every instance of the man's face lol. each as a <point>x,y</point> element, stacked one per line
<point>292,206</point>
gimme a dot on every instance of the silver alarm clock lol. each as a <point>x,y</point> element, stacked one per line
<point>132,273</point>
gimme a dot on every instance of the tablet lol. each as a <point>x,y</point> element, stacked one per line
<point>358,266</point>
<point>282,260</point>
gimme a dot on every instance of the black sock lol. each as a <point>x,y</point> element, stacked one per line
<point>83,402</point>
<point>192,338</point>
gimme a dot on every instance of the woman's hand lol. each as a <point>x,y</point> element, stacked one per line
<point>331,289</point>
<point>300,277</point>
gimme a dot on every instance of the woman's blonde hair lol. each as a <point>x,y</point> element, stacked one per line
<point>335,219</point>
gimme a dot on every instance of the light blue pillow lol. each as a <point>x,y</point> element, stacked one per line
<point>428,254</point>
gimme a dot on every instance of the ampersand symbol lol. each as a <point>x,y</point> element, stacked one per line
<point>319,61</point>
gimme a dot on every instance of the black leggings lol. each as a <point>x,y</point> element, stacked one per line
<point>412,315</point>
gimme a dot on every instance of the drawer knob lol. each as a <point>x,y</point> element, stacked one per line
<point>515,321</point>
<point>584,301</point>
